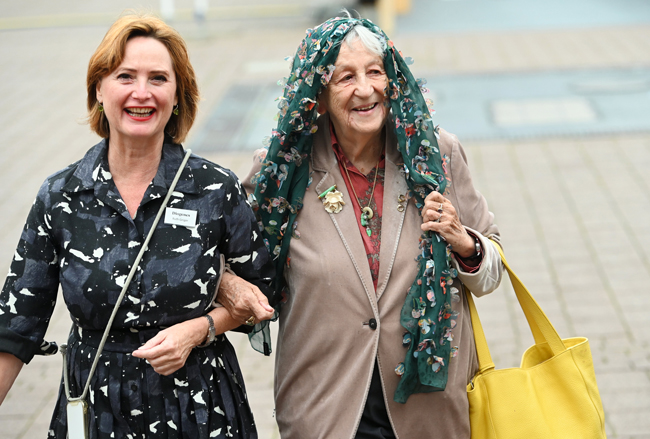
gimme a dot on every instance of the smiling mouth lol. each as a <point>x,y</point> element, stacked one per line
<point>139,112</point>
<point>366,108</point>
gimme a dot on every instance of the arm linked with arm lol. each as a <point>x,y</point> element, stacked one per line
<point>245,288</point>
<point>244,251</point>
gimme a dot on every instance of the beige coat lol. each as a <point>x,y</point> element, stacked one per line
<point>326,350</point>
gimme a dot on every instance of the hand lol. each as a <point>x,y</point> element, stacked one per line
<point>169,349</point>
<point>439,215</point>
<point>242,299</point>
<point>259,155</point>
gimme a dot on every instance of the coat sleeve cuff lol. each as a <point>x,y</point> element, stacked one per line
<point>488,277</point>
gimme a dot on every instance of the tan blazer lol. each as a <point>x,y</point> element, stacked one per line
<point>326,350</point>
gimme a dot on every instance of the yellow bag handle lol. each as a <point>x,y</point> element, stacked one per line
<point>482,350</point>
<point>541,327</point>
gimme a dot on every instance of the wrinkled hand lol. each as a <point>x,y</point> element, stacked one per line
<point>169,349</point>
<point>242,299</point>
<point>439,215</point>
<point>259,155</point>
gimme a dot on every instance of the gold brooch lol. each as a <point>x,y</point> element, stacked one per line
<point>332,200</point>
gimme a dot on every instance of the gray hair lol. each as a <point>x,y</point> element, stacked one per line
<point>370,40</point>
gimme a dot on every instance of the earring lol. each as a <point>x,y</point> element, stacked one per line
<point>175,110</point>
<point>100,107</point>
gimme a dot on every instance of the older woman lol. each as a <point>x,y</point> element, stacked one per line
<point>375,337</point>
<point>88,223</point>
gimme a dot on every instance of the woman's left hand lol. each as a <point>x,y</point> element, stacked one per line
<point>439,215</point>
<point>169,349</point>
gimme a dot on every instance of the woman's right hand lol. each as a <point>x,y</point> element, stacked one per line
<point>440,216</point>
<point>168,350</point>
<point>242,299</point>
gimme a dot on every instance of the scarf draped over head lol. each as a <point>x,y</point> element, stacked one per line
<point>426,315</point>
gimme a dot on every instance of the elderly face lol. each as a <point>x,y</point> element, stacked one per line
<point>355,96</point>
<point>139,95</point>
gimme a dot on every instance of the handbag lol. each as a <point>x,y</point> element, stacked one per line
<point>553,394</point>
<point>77,407</point>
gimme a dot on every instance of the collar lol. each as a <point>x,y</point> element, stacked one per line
<point>323,156</point>
<point>342,158</point>
<point>92,171</point>
<point>172,157</point>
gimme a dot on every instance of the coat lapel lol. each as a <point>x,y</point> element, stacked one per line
<point>392,219</point>
<point>327,174</point>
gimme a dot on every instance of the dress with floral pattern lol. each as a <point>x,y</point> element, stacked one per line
<point>79,235</point>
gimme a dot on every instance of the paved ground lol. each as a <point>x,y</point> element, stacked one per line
<point>572,209</point>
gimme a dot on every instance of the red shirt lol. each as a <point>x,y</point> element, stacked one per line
<point>362,185</point>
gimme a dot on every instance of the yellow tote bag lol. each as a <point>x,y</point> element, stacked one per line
<point>553,395</point>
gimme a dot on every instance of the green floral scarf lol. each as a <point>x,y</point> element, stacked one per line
<point>281,184</point>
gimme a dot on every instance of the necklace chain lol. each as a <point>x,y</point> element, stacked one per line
<point>366,212</point>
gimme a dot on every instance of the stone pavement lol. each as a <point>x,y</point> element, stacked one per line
<point>571,209</point>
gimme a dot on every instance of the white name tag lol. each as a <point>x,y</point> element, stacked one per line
<point>180,217</point>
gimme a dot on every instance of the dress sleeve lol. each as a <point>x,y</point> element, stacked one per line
<point>30,290</point>
<point>248,257</point>
<point>243,246</point>
<point>474,214</point>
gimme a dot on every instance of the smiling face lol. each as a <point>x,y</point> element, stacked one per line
<point>355,96</point>
<point>139,95</point>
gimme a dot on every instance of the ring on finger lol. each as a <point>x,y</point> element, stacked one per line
<point>250,321</point>
<point>440,209</point>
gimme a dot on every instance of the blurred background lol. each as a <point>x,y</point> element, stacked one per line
<point>551,101</point>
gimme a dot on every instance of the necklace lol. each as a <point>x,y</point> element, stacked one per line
<point>366,212</point>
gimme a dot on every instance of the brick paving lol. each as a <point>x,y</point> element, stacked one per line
<point>572,210</point>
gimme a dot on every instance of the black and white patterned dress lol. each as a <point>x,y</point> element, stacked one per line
<point>80,235</point>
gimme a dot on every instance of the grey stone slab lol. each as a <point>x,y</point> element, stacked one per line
<point>593,328</point>
<point>625,402</point>
<point>634,424</point>
<point>630,381</point>
<point>14,427</point>
<point>635,297</point>
<point>607,364</point>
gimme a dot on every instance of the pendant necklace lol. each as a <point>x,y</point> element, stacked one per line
<point>366,212</point>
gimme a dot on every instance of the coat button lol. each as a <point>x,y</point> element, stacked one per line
<point>373,324</point>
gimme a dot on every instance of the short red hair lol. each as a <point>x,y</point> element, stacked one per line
<point>109,56</point>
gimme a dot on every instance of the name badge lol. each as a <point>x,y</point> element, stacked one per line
<point>180,217</point>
